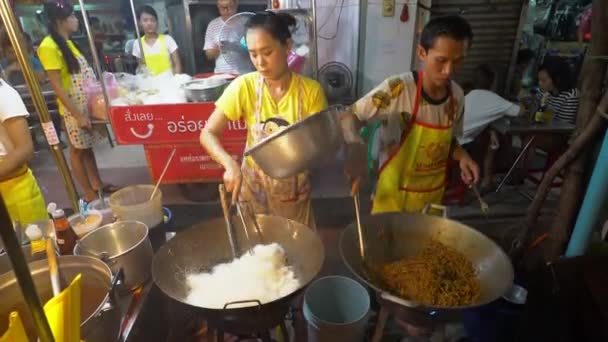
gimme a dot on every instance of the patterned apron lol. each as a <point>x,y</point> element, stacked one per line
<point>289,198</point>
<point>415,173</point>
<point>80,138</point>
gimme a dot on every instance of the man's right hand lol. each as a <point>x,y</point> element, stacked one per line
<point>232,180</point>
<point>356,164</point>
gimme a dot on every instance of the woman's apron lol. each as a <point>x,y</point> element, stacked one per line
<point>289,198</point>
<point>414,175</point>
<point>157,63</point>
<point>20,190</point>
<point>80,138</point>
<point>22,197</point>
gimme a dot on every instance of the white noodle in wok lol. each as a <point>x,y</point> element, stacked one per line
<point>263,276</point>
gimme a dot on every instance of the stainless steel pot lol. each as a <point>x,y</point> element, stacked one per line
<point>302,146</point>
<point>5,262</point>
<point>122,245</point>
<point>195,94</point>
<point>100,317</point>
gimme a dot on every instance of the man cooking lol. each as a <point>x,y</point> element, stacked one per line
<point>421,114</point>
<point>227,8</point>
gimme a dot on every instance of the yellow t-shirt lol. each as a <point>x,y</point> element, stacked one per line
<point>51,58</point>
<point>238,101</point>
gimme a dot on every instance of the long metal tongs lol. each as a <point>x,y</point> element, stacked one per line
<point>228,209</point>
<point>229,228</point>
<point>361,233</point>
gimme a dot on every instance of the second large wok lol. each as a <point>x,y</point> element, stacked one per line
<point>393,236</point>
<point>205,245</point>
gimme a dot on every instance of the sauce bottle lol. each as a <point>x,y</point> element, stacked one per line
<point>542,108</point>
<point>65,236</point>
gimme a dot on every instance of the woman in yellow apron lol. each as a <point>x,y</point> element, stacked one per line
<point>18,186</point>
<point>160,50</point>
<point>269,99</point>
<point>68,72</point>
<point>421,114</point>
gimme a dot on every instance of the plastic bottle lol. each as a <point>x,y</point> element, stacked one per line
<point>540,113</point>
<point>65,236</point>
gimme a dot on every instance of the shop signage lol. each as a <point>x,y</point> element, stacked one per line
<point>167,124</point>
<point>190,164</point>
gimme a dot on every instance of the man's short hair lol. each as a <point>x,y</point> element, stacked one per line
<point>484,77</point>
<point>451,26</point>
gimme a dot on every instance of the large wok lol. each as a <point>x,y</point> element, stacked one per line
<point>393,236</point>
<point>205,245</point>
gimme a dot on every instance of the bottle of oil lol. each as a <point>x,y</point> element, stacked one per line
<point>65,235</point>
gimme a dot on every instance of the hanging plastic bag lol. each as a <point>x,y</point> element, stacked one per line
<point>95,97</point>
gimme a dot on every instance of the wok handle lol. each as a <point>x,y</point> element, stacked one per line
<point>429,206</point>
<point>244,302</point>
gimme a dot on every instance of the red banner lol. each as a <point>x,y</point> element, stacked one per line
<point>190,164</point>
<point>168,124</point>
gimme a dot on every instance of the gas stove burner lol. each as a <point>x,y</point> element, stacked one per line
<point>205,333</point>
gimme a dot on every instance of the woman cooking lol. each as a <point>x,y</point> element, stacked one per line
<point>68,71</point>
<point>160,50</point>
<point>269,99</point>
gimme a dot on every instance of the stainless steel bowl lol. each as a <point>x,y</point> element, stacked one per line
<point>210,94</point>
<point>302,146</point>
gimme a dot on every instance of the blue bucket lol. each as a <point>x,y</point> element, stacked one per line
<point>336,309</point>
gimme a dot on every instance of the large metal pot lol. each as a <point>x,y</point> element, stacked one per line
<point>100,317</point>
<point>5,262</point>
<point>302,146</point>
<point>203,246</point>
<point>201,90</point>
<point>393,236</point>
<point>122,245</point>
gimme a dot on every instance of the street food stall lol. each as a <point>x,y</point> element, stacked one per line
<point>166,113</point>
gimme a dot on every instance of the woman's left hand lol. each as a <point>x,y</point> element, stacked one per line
<point>469,170</point>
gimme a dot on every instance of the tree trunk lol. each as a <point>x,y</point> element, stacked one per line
<point>592,74</point>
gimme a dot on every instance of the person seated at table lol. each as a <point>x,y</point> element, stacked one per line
<point>558,89</point>
<point>10,65</point>
<point>482,107</point>
<point>18,187</point>
<point>557,85</point>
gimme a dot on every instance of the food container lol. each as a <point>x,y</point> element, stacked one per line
<point>121,245</point>
<point>133,203</point>
<point>206,89</point>
<point>91,221</point>
<point>105,210</point>
<point>300,147</point>
<point>100,316</point>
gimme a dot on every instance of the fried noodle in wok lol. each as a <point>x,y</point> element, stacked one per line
<point>439,275</point>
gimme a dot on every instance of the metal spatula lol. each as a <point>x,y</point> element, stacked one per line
<point>485,208</point>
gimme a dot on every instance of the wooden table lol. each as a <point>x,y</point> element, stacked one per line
<point>521,126</point>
